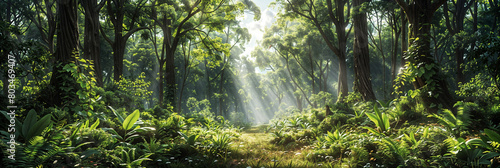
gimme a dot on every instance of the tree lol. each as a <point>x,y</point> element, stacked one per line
<point>289,43</point>
<point>427,78</point>
<point>455,26</point>
<point>176,20</point>
<point>325,16</point>
<point>67,48</point>
<point>44,19</point>
<point>361,53</point>
<point>91,41</point>
<point>124,15</point>
<point>235,35</point>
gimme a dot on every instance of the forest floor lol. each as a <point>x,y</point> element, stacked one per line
<point>253,148</point>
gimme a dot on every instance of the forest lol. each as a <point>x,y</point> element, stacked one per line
<point>250,83</point>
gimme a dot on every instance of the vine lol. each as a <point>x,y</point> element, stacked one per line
<point>420,71</point>
<point>82,72</point>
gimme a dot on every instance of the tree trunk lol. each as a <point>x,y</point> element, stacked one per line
<point>361,53</point>
<point>434,86</point>
<point>170,77</point>
<point>343,88</point>
<point>92,45</point>
<point>160,85</point>
<point>67,48</point>
<point>221,99</point>
<point>404,41</point>
<point>118,53</point>
<point>298,100</point>
<point>117,16</point>
<point>455,26</point>
<point>396,32</point>
<point>394,59</point>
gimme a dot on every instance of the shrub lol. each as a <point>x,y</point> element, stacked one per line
<point>330,122</point>
<point>455,124</point>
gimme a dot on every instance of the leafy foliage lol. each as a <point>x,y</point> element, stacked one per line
<point>381,120</point>
<point>455,124</point>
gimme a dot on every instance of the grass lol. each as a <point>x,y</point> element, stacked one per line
<point>254,149</point>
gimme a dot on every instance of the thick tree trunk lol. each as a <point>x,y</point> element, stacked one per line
<point>170,77</point>
<point>118,54</point>
<point>67,48</point>
<point>361,53</point>
<point>343,88</point>
<point>92,44</point>
<point>435,88</point>
<point>338,19</point>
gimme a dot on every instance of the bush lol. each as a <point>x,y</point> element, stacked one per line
<point>330,122</point>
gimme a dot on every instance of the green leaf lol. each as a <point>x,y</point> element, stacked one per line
<point>94,126</point>
<point>120,117</point>
<point>373,131</point>
<point>129,122</point>
<point>492,135</point>
<point>29,122</point>
<point>39,126</point>
<point>113,133</point>
<point>485,159</point>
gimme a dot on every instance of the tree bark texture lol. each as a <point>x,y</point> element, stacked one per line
<point>92,44</point>
<point>67,47</point>
<point>361,53</point>
<point>170,82</point>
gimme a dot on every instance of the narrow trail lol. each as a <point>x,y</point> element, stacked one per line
<point>255,149</point>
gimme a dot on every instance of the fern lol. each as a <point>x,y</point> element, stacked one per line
<point>454,124</point>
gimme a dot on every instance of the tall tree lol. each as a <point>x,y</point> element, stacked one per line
<point>124,15</point>
<point>236,35</point>
<point>176,20</point>
<point>396,30</point>
<point>67,47</point>
<point>455,25</point>
<point>338,13</point>
<point>361,53</point>
<point>285,39</point>
<point>91,41</point>
<point>422,67</point>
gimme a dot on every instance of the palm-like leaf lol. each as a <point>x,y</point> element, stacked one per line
<point>381,120</point>
<point>129,122</point>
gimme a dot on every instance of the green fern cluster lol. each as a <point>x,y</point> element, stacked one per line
<point>455,124</point>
